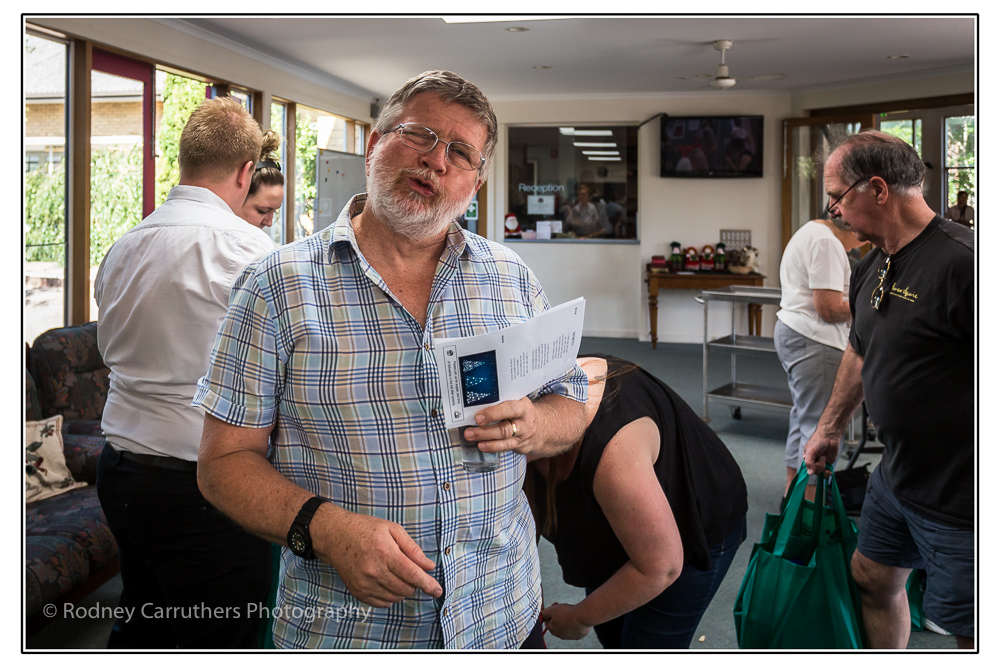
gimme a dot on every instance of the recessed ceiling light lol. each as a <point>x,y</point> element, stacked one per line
<point>900,57</point>
<point>517,28</point>
<point>574,132</point>
<point>543,66</point>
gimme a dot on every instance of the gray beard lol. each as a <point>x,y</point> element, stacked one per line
<point>408,214</point>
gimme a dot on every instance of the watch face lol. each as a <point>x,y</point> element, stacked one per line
<point>297,542</point>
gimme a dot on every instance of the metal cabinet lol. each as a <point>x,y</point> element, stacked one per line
<point>741,394</point>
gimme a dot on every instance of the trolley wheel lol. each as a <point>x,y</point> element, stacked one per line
<point>736,412</point>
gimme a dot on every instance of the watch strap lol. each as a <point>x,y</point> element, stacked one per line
<point>301,526</point>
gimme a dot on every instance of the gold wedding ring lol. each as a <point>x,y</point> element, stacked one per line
<point>513,428</point>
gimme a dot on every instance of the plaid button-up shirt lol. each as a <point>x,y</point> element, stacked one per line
<point>315,341</point>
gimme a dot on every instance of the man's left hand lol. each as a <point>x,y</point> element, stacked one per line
<point>544,427</point>
<point>560,620</point>
<point>511,425</point>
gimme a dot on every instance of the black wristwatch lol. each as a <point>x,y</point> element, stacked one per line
<point>298,537</point>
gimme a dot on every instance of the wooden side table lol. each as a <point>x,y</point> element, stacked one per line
<point>701,281</point>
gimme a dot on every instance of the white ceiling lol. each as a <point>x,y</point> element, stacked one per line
<point>602,56</point>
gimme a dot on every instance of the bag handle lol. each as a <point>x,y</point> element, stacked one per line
<point>839,511</point>
<point>792,510</point>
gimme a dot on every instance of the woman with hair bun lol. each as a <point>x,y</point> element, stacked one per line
<point>267,186</point>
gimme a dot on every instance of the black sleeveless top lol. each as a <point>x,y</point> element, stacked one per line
<point>700,479</point>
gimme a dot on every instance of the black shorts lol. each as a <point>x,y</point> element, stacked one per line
<point>893,533</point>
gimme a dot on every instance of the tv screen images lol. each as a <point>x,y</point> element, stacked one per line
<point>711,146</point>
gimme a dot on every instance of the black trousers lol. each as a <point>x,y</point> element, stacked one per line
<point>192,578</point>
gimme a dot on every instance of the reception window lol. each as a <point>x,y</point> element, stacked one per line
<point>571,183</point>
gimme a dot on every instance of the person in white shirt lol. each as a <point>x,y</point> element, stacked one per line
<point>813,323</point>
<point>961,212</point>
<point>188,573</point>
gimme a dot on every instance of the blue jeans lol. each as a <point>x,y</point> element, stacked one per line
<point>670,619</point>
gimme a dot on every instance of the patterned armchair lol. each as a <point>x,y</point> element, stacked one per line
<point>70,550</point>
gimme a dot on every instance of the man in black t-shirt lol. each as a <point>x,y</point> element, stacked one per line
<point>911,359</point>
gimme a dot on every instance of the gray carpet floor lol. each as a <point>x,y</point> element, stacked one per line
<point>756,440</point>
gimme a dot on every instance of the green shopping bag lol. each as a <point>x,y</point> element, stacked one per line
<point>798,592</point>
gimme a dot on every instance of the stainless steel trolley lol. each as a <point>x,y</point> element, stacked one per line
<point>741,394</point>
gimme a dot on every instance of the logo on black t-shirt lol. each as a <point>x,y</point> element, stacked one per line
<point>904,293</point>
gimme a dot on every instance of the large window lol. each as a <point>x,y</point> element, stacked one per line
<point>279,117</point>
<point>177,97</point>
<point>129,155</point>
<point>122,187</point>
<point>315,129</point>
<point>960,158</point>
<point>571,183</point>
<point>44,185</point>
<point>907,129</point>
<point>945,139</point>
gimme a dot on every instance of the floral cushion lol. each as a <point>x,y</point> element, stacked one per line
<point>54,566</point>
<point>77,516</point>
<point>70,375</point>
<point>45,471</point>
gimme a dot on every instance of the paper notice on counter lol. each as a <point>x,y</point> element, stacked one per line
<point>506,365</point>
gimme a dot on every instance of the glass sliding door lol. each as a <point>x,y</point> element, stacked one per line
<point>279,117</point>
<point>44,87</point>
<point>122,188</point>
<point>960,159</point>
<point>176,99</point>
<point>806,142</point>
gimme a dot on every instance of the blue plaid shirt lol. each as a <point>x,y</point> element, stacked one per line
<point>315,341</point>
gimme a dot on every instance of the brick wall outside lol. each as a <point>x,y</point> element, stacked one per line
<point>45,120</point>
<point>109,119</point>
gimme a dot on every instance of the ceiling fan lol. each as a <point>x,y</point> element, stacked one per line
<point>721,79</point>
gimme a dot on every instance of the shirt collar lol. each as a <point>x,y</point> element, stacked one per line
<point>198,194</point>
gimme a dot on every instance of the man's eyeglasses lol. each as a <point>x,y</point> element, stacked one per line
<point>879,293</point>
<point>832,204</point>
<point>423,140</point>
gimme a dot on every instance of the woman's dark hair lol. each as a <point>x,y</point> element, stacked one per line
<point>267,170</point>
<point>624,368</point>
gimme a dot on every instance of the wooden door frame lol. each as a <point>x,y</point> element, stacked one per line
<point>867,121</point>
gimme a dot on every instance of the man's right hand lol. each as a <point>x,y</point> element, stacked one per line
<point>821,450</point>
<point>380,564</point>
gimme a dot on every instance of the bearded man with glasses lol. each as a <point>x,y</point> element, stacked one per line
<point>911,359</point>
<point>325,430</point>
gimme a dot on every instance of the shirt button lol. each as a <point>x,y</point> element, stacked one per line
<point>446,486</point>
<point>444,612</point>
<point>447,551</point>
<point>434,413</point>
<point>427,346</point>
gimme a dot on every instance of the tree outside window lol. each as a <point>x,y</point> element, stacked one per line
<point>960,156</point>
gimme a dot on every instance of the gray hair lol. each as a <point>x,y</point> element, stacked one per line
<point>450,87</point>
<point>873,153</point>
<point>839,223</point>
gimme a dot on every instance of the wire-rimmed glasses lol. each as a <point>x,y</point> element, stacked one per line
<point>423,140</point>
<point>829,208</point>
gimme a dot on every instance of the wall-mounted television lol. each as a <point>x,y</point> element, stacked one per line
<point>711,146</point>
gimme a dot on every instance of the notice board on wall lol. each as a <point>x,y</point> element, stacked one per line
<point>339,176</point>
